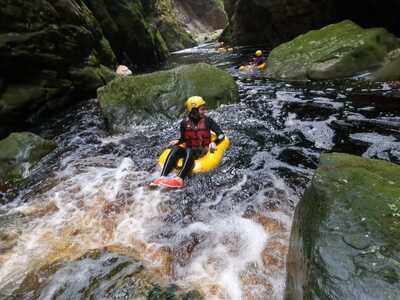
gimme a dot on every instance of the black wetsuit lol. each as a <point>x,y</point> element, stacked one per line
<point>189,155</point>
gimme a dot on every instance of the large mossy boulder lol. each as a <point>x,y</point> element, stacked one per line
<point>19,152</point>
<point>346,232</point>
<point>132,99</point>
<point>335,51</point>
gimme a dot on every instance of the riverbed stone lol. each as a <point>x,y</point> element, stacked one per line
<point>344,241</point>
<point>135,98</point>
<point>98,274</point>
<point>336,51</point>
<point>19,152</point>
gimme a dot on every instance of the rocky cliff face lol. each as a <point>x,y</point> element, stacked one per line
<point>275,21</point>
<point>52,52</point>
<point>201,16</point>
<point>45,48</point>
<point>126,25</point>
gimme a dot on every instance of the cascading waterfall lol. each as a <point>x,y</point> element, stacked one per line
<point>226,234</point>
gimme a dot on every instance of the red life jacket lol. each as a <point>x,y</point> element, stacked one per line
<point>197,136</point>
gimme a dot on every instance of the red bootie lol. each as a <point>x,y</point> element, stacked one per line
<point>175,183</point>
<point>157,182</point>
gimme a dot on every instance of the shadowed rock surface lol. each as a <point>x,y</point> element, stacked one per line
<point>344,242</point>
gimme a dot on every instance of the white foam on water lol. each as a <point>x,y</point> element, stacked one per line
<point>101,201</point>
<point>84,201</point>
<point>232,243</point>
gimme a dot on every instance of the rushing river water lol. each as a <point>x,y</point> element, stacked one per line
<point>89,224</point>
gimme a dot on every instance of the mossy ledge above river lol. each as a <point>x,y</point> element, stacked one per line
<point>346,231</point>
<point>335,51</point>
<point>133,99</point>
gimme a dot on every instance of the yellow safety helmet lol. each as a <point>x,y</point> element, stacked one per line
<point>194,102</point>
<point>258,53</point>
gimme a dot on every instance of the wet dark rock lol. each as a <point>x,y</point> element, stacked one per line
<point>357,241</point>
<point>99,274</point>
<point>387,151</point>
<point>379,102</point>
<point>71,48</point>
<point>368,139</point>
<point>134,40</point>
<point>342,228</point>
<point>298,157</point>
<point>295,178</point>
<point>315,133</point>
<point>57,40</point>
<point>184,250</point>
<point>313,109</point>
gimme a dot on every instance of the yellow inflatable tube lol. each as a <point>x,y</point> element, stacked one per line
<point>249,68</point>
<point>206,163</point>
<point>263,66</point>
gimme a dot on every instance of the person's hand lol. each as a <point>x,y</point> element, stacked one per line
<point>174,143</point>
<point>212,147</point>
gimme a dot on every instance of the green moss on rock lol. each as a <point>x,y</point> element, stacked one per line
<point>19,152</point>
<point>132,99</point>
<point>390,70</point>
<point>346,230</point>
<point>335,51</point>
<point>171,30</point>
<point>88,79</point>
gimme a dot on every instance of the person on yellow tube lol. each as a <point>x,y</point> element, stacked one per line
<point>259,58</point>
<point>195,132</point>
<point>258,61</point>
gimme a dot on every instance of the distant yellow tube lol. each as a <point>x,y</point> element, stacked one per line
<point>252,68</point>
<point>206,163</point>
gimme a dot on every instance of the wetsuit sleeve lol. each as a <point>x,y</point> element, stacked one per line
<point>260,60</point>
<point>182,130</point>
<point>214,127</point>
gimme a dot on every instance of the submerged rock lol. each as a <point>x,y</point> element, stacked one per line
<point>99,274</point>
<point>335,51</point>
<point>344,242</point>
<point>19,152</point>
<point>133,99</point>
